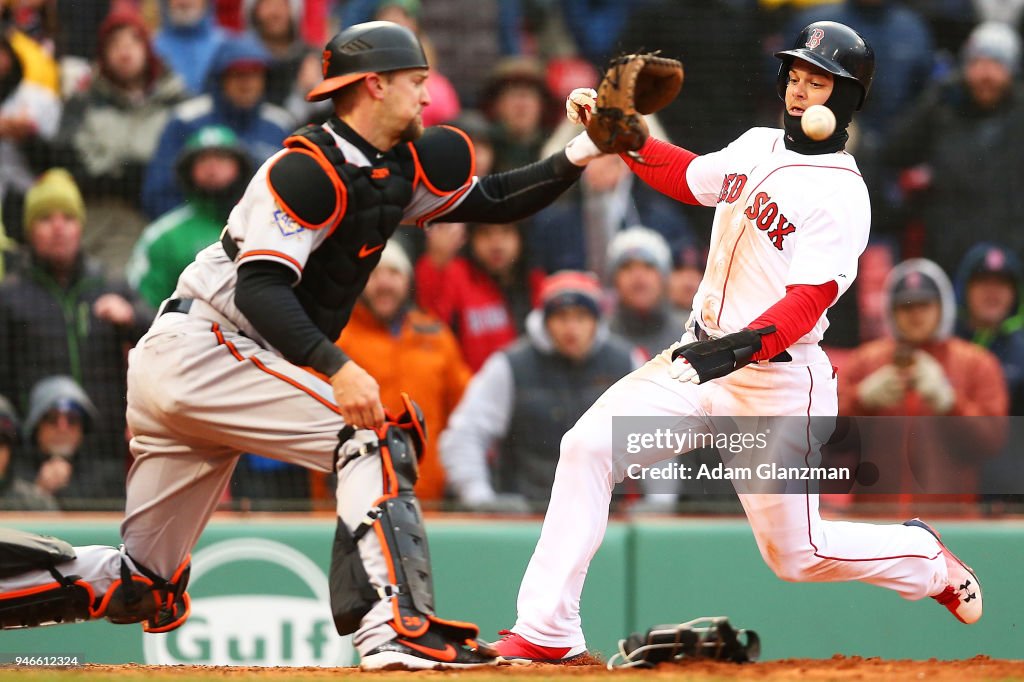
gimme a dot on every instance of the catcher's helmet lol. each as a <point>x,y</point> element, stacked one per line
<point>362,49</point>
<point>835,47</point>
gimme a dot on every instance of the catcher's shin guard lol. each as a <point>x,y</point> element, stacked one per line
<point>162,605</point>
<point>67,599</point>
<point>397,521</point>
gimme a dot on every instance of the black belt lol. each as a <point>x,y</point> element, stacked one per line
<point>230,247</point>
<point>177,305</point>
<point>702,335</point>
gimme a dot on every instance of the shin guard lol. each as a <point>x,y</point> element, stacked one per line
<point>67,599</point>
<point>397,521</point>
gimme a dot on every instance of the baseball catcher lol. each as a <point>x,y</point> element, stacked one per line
<point>221,370</point>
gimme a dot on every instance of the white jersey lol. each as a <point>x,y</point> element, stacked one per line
<point>264,231</point>
<point>781,218</point>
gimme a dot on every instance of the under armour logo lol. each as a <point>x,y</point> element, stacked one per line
<point>815,39</point>
<point>970,595</point>
<point>357,45</point>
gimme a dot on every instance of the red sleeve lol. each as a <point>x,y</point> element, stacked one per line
<point>793,316</point>
<point>664,168</point>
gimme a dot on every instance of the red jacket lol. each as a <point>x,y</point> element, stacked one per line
<point>933,458</point>
<point>472,304</point>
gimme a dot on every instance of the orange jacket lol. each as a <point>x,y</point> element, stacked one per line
<point>421,359</point>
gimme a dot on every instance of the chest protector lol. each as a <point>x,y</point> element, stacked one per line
<point>361,206</point>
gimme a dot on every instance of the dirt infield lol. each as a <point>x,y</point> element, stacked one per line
<point>841,668</point>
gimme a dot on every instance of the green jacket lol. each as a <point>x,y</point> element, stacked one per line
<point>167,246</point>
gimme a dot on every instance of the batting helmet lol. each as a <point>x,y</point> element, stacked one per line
<point>835,47</point>
<point>372,47</point>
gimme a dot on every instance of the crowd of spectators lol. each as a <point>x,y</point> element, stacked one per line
<point>129,128</point>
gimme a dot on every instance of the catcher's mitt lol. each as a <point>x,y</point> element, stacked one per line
<point>633,85</point>
<point>710,638</point>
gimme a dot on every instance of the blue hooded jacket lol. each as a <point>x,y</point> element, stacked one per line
<point>189,50</point>
<point>261,128</point>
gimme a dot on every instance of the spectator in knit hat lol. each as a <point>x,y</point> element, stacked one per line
<point>59,415</point>
<point>526,396</point>
<point>958,151</point>
<point>638,267</point>
<point>59,315</point>
<point>108,133</point>
<point>989,288</point>
<point>407,350</point>
<point>16,494</point>
<point>212,171</point>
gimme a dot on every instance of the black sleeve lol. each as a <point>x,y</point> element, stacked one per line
<point>264,295</point>
<point>516,194</point>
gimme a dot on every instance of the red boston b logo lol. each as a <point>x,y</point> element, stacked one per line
<point>815,39</point>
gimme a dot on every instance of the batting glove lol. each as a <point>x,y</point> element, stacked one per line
<point>579,101</point>
<point>699,363</point>
<point>931,382</point>
<point>681,370</point>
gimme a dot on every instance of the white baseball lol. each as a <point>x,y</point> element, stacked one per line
<point>818,122</point>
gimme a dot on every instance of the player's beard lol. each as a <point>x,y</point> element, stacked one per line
<point>413,131</point>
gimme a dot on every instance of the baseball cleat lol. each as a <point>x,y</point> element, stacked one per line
<point>962,595</point>
<point>430,651</point>
<point>515,648</point>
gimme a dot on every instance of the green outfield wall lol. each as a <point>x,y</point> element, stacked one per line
<point>259,593</point>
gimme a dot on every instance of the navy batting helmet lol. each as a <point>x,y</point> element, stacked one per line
<point>835,47</point>
<point>362,49</point>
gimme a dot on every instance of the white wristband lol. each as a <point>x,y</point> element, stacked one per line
<point>581,150</point>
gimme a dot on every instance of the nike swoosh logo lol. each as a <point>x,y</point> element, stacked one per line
<point>364,251</point>
<point>448,653</point>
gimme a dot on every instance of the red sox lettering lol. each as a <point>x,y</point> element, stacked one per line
<point>762,211</point>
<point>765,213</point>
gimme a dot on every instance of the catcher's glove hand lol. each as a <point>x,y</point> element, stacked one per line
<point>633,85</point>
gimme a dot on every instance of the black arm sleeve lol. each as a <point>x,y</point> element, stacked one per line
<point>264,295</point>
<point>515,194</point>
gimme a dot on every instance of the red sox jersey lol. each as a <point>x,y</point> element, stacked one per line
<point>781,218</point>
<point>263,230</point>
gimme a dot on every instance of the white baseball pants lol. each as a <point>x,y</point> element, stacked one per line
<point>795,542</point>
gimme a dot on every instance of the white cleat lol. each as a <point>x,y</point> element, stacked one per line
<point>962,595</point>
